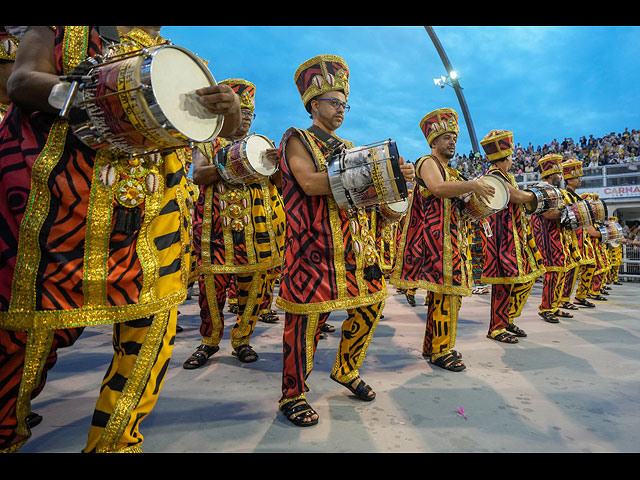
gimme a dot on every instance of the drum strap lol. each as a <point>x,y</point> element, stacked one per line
<point>332,142</point>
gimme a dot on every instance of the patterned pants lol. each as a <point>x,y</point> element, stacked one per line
<point>586,277</point>
<point>130,388</point>
<point>570,280</point>
<point>507,301</point>
<point>17,350</point>
<point>552,284</point>
<point>250,290</point>
<point>442,324</point>
<point>129,391</point>
<point>300,339</point>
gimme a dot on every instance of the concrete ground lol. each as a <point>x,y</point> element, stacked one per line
<point>568,387</point>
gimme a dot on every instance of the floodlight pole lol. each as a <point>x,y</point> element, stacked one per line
<point>456,87</point>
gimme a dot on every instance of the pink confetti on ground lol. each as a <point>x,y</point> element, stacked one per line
<point>461,412</point>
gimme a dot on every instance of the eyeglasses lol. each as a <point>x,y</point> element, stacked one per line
<point>335,103</point>
<point>248,114</point>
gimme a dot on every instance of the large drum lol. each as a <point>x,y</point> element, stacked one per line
<point>246,162</point>
<point>144,102</point>
<point>598,211</point>
<point>547,197</point>
<point>576,215</point>
<point>611,233</point>
<point>368,175</point>
<point>392,212</point>
<point>477,208</point>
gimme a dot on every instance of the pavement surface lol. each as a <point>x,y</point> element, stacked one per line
<point>570,387</point>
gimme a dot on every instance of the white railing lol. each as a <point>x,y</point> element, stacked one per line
<point>595,177</point>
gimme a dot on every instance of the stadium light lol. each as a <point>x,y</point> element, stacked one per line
<point>453,77</point>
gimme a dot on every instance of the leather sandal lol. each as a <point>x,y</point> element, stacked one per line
<point>569,306</point>
<point>517,331</point>
<point>327,328</point>
<point>449,362</point>
<point>504,337</point>
<point>361,390</point>
<point>299,412</point>
<point>561,314</point>
<point>198,358</point>
<point>583,302</point>
<point>549,317</point>
<point>246,354</point>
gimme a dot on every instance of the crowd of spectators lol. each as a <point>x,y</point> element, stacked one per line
<point>631,231</point>
<point>611,149</point>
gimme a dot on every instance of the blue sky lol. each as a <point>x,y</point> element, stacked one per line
<point>542,83</point>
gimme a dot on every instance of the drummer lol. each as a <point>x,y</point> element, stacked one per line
<point>602,261</point>
<point>330,259</point>
<point>576,239</point>
<point>79,247</point>
<point>588,239</point>
<point>615,257</point>
<point>434,253</point>
<point>549,239</point>
<point>238,233</point>
<point>511,258</point>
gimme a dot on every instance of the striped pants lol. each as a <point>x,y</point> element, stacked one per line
<point>552,285</point>
<point>300,339</point>
<point>507,301</point>
<point>129,391</point>
<point>250,290</point>
<point>570,280</point>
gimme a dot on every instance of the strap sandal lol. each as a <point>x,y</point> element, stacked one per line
<point>270,317</point>
<point>200,357</point>
<point>246,354</point>
<point>504,337</point>
<point>583,302</point>
<point>233,308</point>
<point>455,353</point>
<point>604,292</point>
<point>598,297</point>
<point>517,331</point>
<point>449,362</point>
<point>569,306</point>
<point>300,413</point>
<point>361,390</point>
<point>327,328</point>
<point>549,317</point>
<point>561,314</point>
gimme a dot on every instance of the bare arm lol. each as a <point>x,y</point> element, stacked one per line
<point>34,73</point>
<point>519,196</point>
<point>203,172</point>
<point>432,178</point>
<point>304,170</point>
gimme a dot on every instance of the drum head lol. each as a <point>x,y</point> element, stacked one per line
<point>501,195</point>
<point>175,74</point>
<point>255,151</point>
<point>400,206</point>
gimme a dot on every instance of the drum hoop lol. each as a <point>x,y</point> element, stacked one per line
<point>153,51</point>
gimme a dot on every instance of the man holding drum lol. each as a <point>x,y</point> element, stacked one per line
<point>434,252</point>
<point>578,238</point>
<point>511,261</point>
<point>92,236</point>
<point>330,258</point>
<point>238,230</point>
<point>549,239</point>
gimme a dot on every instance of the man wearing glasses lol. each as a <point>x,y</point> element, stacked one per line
<point>238,234</point>
<point>330,258</point>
